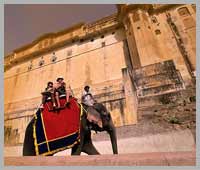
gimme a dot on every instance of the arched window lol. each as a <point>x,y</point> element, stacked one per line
<point>154,19</point>
<point>41,62</point>
<point>157,31</point>
<point>183,11</point>
<point>53,58</point>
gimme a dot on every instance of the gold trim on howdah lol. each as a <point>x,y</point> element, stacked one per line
<point>47,141</point>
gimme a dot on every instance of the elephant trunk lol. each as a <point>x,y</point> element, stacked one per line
<point>113,138</point>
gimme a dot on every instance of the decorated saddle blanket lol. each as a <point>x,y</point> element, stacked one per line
<point>54,131</point>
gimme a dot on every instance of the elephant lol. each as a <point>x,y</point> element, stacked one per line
<point>85,143</point>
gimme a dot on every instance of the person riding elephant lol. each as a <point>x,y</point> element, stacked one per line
<point>87,97</point>
<point>48,93</point>
<point>88,100</point>
<point>60,89</point>
<point>94,108</point>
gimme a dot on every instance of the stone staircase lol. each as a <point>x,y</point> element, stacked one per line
<point>159,84</point>
<point>157,79</point>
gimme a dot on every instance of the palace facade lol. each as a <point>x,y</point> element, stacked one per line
<point>130,59</point>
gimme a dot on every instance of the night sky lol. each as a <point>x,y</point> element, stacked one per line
<point>25,23</point>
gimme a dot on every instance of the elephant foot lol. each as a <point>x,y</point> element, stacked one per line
<point>76,150</point>
<point>90,149</point>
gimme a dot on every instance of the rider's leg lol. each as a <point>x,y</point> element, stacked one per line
<point>57,99</point>
<point>53,100</point>
<point>67,98</point>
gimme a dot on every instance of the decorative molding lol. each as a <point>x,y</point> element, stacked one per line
<point>160,8</point>
<point>124,9</point>
<point>51,41</point>
<point>50,36</point>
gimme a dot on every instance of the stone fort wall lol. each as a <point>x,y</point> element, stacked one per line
<point>123,57</point>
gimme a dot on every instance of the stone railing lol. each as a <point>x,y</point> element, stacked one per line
<point>100,25</point>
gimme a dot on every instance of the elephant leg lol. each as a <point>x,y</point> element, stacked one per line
<point>76,150</point>
<point>113,137</point>
<point>90,149</point>
<point>28,145</point>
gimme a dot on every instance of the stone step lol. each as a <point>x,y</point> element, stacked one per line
<point>174,96</point>
<point>161,142</point>
<point>134,159</point>
<point>159,90</point>
<point>161,67</point>
<point>157,79</point>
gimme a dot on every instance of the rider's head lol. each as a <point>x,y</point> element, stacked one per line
<point>86,88</point>
<point>50,84</point>
<point>60,79</point>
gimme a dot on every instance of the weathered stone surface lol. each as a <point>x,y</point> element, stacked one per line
<point>155,44</point>
<point>144,159</point>
<point>157,79</point>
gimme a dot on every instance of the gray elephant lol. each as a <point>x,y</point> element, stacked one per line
<point>85,144</point>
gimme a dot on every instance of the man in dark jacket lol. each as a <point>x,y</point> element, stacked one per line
<point>47,93</point>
